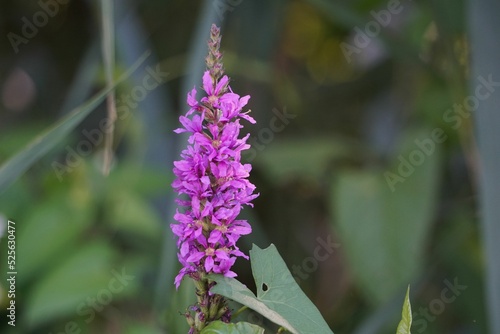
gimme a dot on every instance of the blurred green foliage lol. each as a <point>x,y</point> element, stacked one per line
<point>321,175</point>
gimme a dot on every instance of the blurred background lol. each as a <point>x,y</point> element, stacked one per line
<point>363,153</point>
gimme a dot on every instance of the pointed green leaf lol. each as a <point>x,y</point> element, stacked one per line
<point>219,327</point>
<point>405,323</point>
<point>43,143</point>
<point>385,242</point>
<point>279,298</point>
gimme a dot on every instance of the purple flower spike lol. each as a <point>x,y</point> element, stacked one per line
<point>212,176</point>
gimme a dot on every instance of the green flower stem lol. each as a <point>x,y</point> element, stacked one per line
<point>239,311</point>
<point>208,307</point>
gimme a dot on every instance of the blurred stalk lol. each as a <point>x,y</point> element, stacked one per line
<point>484,27</point>
<point>455,76</point>
<point>13,168</point>
<point>108,50</point>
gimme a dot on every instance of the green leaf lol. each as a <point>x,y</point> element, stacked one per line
<point>219,327</point>
<point>49,221</point>
<point>279,298</point>
<point>66,290</point>
<point>384,232</point>
<point>130,213</point>
<point>405,323</point>
<point>43,143</point>
<point>285,160</point>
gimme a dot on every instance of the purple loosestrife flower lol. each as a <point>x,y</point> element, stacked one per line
<point>211,176</point>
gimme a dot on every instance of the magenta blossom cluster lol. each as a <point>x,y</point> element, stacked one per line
<point>214,181</point>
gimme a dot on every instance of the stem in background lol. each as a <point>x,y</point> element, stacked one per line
<point>108,49</point>
<point>482,20</point>
<point>108,141</point>
<point>238,312</point>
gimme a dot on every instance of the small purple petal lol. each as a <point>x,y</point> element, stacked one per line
<point>209,263</point>
<point>215,235</point>
<point>195,257</point>
<point>208,85</point>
